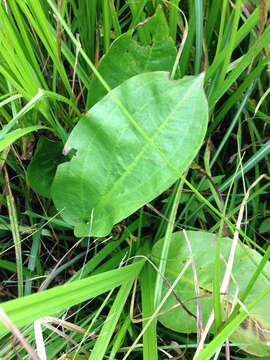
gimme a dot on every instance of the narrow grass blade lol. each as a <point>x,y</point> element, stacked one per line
<point>147,278</point>
<point>166,243</point>
<point>22,112</point>
<point>15,234</point>
<point>173,15</point>
<point>109,327</point>
<point>199,35</point>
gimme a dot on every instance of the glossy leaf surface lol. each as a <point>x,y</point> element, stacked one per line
<point>255,330</point>
<point>115,170</point>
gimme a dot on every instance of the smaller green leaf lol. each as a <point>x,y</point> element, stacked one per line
<point>127,58</point>
<point>265,226</point>
<point>253,334</point>
<point>42,168</point>
<point>11,137</point>
<point>158,25</point>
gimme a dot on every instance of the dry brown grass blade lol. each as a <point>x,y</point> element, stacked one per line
<point>65,336</point>
<point>263,20</point>
<point>66,324</point>
<point>17,334</point>
<point>75,68</point>
<point>263,14</point>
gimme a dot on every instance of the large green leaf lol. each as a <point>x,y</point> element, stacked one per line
<point>115,170</point>
<point>127,58</point>
<point>254,332</point>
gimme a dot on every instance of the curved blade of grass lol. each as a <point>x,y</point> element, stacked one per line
<point>115,21</point>
<point>233,123</point>
<point>11,137</point>
<point>22,112</point>
<point>10,266</point>
<point>10,99</point>
<point>150,335</point>
<point>119,338</point>
<point>221,26</point>
<point>53,95</point>
<point>106,25</point>
<point>187,49</point>
<point>138,15</point>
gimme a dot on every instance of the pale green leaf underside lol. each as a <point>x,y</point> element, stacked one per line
<point>115,170</point>
<point>255,330</point>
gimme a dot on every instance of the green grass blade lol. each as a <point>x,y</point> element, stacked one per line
<point>221,26</point>
<point>242,33</point>
<point>242,65</point>
<point>233,123</point>
<point>258,156</point>
<point>173,15</point>
<point>22,112</point>
<point>147,277</point>
<point>199,35</point>
<point>166,243</point>
<point>109,327</point>
<point>16,237</point>
<point>120,337</point>
<point>25,310</point>
<point>106,25</point>
<point>32,261</point>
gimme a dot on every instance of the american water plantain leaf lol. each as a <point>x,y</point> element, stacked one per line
<point>253,335</point>
<point>116,170</point>
<point>126,58</point>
